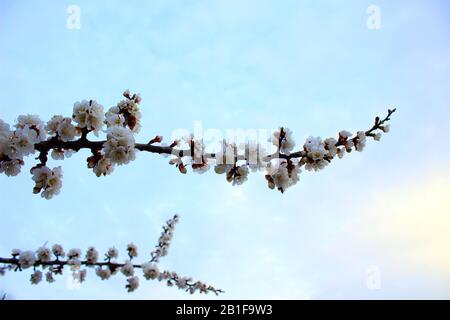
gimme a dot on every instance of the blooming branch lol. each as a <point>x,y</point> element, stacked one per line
<point>52,262</point>
<point>62,136</point>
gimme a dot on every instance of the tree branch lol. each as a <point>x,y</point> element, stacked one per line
<point>43,259</point>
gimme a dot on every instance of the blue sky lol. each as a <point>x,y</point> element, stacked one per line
<point>314,67</point>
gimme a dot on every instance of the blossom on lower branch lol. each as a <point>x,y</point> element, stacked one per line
<point>50,261</point>
<point>48,181</point>
<point>67,135</point>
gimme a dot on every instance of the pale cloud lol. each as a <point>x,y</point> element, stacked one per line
<point>406,230</point>
<point>411,222</point>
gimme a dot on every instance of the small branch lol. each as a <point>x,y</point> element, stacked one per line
<point>123,122</point>
<point>84,143</point>
<point>23,260</point>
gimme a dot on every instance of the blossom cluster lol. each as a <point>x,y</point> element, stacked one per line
<point>30,134</point>
<point>62,136</point>
<point>18,142</point>
<point>162,248</point>
<point>49,262</point>
<point>317,153</point>
<point>283,167</point>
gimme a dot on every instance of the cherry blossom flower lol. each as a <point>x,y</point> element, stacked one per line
<point>11,167</point>
<point>103,273</point>
<point>36,277</point>
<point>119,146</point>
<point>132,250</point>
<point>112,253</point>
<point>89,115</point>
<point>34,127</point>
<point>103,167</point>
<point>128,269</point>
<point>283,140</point>
<point>44,254</point>
<point>133,284</point>
<point>58,250</point>
<point>150,270</point>
<point>48,181</point>
<point>74,253</point>
<point>27,259</point>
<point>92,255</point>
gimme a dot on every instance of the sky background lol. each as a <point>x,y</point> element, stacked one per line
<point>312,66</point>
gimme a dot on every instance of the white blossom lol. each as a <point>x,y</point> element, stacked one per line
<point>315,148</point>
<point>60,154</point>
<point>360,141</point>
<point>57,154</point>
<point>63,127</point>
<point>74,253</point>
<point>316,151</point>
<point>11,168</point>
<point>241,175</point>
<point>91,255</point>
<point>4,128</point>
<point>58,250</point>
<point>345,134</point>
<point>113,253</point>
<point>49,277</point>
<point>36,128</point>
<point>36,277</point>
<point>133,284</point>
<point>150,271</point>
<point>164,275</point>
<point>162,248</point>
<point>128,269</point>
<point>114,119</point>
<point>103,273</point>
<point>182,283</point>
<point>20,143</point>
<point>103,167</point>
<point>46,180</point>
<point>89,115</point>
<point>316,165</point>
<point>283,140</point>
<point>44,254</point>
<point>386,128</point>
<point>281,174</point>
<point>377,137</point>
<point>119,147</point>
<point>27,259</point>
<point>53,124</point>
<point>132,250</point>
<point>66,130</point>
<point>330,146</point>
<point>129,108</point>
